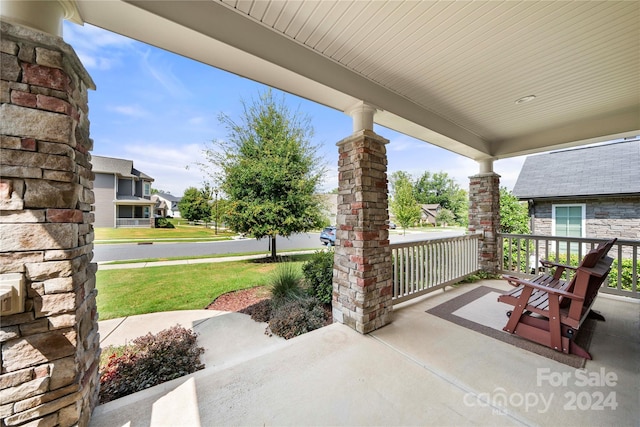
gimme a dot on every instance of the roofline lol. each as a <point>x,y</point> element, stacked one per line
<point>133,202</point>
<point>583,196</point>
<point>134,177</point>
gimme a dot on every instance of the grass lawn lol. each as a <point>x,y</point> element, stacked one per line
<point>129,292</point>
<point>182,231</point>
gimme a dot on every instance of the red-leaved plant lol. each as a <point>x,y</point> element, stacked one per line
<point>150,360</point>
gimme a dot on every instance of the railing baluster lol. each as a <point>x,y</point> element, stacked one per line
<point>623,277</point>
<point>634,270</point>
<point>421,267</point>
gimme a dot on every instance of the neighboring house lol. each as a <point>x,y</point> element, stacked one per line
<point>122,194</point>
<point>429,213</point>
<point>330,207</point>
<point>587,192</point>
<point>166,205</point>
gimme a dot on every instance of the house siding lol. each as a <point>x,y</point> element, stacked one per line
<point>104,195</point>
<point>604,218</point>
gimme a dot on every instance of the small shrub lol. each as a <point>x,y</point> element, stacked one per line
<point>285,284</point>
<point>626,279</point>
<point>150,360</point>
<point>481,275</point>
<point>260,311</point>
<point>298,316</point>
<point>318,274</point>
<point>164,223</point>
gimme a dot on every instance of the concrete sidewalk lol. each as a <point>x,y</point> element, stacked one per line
<point>228,338</point>
<point>106,266</point>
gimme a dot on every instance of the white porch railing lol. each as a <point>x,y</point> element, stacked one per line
<point>422,267</point>
<point>520,254</point>
<point>134,222</point>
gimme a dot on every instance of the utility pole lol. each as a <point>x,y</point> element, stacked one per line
<point>216,191</point>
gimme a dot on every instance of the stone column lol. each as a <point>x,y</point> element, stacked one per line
<point>49,332</point>
<point>484,213</point>
<point>362,287</point>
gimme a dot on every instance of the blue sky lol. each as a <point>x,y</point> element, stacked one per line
<point>160,109</point>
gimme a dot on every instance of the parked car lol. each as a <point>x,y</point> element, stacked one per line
<point>328,236</point>
<point>391,225</point>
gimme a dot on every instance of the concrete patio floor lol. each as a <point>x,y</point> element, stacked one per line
<point>419,370</point>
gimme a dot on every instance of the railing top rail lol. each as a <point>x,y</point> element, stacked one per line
<point>436,240</point>
<point>570,239</point>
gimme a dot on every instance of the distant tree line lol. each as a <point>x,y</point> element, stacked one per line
<point>409,193</point>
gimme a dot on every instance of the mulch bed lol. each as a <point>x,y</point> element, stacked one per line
<point>240,300</point>
<point>253,301</point>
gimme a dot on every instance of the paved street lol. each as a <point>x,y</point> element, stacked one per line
<point>131,251</point>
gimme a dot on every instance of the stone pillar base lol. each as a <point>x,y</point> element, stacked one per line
<point>484,216</point>
<point>362,284</point>
<point>49,345</point>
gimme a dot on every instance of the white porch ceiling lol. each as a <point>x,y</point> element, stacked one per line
<point>445,72</point>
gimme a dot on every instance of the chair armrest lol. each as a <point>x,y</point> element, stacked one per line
<point>552,291</point>
<point>512,280</point>
<point>551,264</point>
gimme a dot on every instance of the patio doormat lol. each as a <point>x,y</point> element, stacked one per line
<point>467,316</point>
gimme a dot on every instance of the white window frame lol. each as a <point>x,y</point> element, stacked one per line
<point>146,212</point>
<point>583,225</point>
<point>146,188</point>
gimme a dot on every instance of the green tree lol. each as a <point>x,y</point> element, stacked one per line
<point>445,217</point>
<point>403,203</point>
<point>269,171</point>
<point>514,215</point>
<point>195,204</point>
<point>440,188</point>
<point>514,219</point>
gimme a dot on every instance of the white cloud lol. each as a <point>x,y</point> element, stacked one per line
<point>172,168</point>
<point>129,110</point>
<point>330,180</point>
<point>198,120</point>
<point>460,169</point>
<point>509,169</point>
<point>406,143</point>
<point>95,62</point>
<point>98,49</point>
<point>93,38</point>
<point>163,74</point>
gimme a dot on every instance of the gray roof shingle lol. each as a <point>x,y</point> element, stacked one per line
<point>591,171</point>
<point>169,197</point>
<point>121,167</point>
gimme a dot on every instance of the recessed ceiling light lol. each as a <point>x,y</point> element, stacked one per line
<point>524,99</point>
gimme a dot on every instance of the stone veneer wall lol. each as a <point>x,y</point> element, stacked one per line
<point>484,215</point>
<point>362,287</point>
<point>605,217</point>
<point>49,352</point>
